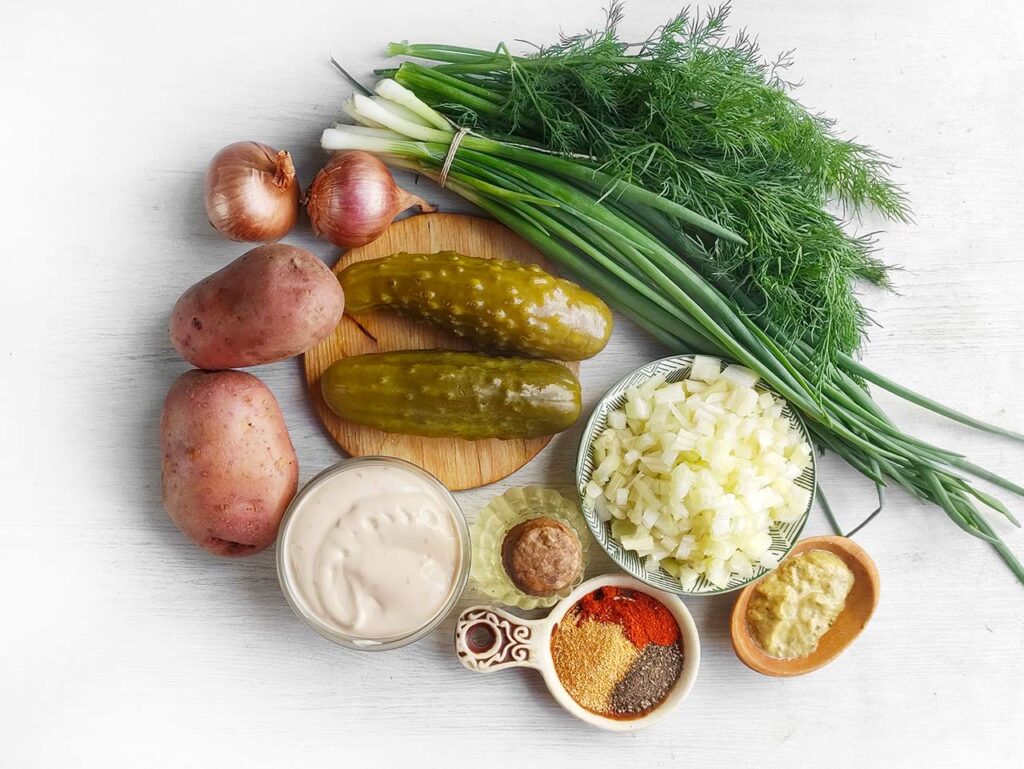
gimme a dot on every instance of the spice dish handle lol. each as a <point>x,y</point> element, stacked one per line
<point>488,639</point>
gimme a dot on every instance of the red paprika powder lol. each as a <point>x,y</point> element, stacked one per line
<point>643,618</point>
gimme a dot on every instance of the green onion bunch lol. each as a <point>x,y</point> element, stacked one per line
<point>658,255</point>
<point>703,120</point>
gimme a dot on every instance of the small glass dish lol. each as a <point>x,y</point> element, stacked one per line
<point>294,595</point>
<point>494,522</point>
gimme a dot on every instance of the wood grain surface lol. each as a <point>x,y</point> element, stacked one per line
<point>122,645</point>
<point>459,464</point>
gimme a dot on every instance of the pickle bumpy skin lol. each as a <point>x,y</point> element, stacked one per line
<point>441,393</point>
<point>496,304</point>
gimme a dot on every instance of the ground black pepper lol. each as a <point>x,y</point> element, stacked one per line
<point>648,681</point>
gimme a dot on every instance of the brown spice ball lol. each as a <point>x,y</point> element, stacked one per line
<point>542,556</point>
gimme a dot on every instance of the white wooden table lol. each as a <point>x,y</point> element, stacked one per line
<point>122,645</point>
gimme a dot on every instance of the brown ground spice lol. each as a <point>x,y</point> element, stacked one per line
<point>590,659</point>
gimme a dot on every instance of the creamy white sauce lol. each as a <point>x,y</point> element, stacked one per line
<point>373,552</point>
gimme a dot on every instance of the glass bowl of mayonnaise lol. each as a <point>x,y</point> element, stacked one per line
<point>373,553</point>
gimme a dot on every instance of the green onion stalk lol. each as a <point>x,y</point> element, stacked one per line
<point>707,122</point>
<point>640,251</point>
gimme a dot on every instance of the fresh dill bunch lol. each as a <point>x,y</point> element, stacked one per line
<point>705,96</point>
<point>705,120</point>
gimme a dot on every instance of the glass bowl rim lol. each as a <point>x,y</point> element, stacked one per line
<point>392,642</point>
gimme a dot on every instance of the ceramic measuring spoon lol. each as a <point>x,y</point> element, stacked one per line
<point>488,639</point>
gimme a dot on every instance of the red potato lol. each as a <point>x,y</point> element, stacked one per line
<point>271,303</point>
<point>229,467</point>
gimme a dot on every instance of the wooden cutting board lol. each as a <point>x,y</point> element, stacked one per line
<point>458,463</point>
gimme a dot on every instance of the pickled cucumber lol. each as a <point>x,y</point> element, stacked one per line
<point>496,304</point>
<point>441,393</point>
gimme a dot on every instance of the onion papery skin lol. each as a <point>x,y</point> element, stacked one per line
<point>252,192</point>
<point>354,199</point>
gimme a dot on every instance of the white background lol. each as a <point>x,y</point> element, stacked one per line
<point>123,645</point>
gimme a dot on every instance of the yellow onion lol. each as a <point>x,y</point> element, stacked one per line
<point>252,193</point>
<point>353,199</point>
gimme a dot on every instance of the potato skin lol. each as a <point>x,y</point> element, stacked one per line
<point>229,467</point>
<point>271,303</point>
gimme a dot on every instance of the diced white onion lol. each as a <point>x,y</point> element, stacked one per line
<point>693,474</point>
<point>739,375</point>
<point>705,368</point>
<point>617,420</point>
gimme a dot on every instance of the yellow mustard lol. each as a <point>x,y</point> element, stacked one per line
<point>794,606</point>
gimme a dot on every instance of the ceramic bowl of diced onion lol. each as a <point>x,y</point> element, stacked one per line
<point>694,476</point>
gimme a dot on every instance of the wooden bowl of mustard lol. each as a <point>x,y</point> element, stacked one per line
<point>785,610</point>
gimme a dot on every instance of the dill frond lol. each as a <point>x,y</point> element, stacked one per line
<point>709,122</point>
